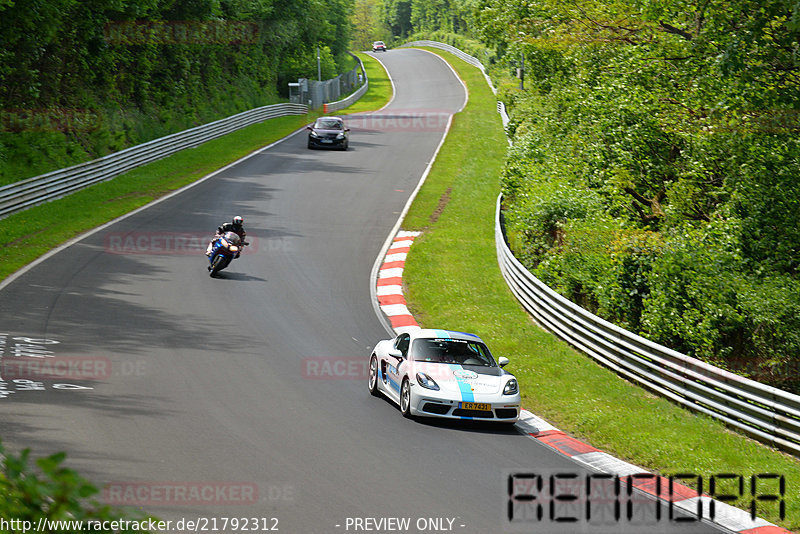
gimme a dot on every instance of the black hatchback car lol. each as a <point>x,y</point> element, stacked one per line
<point>328,132</point>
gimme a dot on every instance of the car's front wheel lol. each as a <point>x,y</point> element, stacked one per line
<point>405,399</point>
<point>373,376</point>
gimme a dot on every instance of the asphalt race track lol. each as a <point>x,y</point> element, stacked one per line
<point>246,395</point>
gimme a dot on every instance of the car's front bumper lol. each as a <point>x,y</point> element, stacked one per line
<point>324,142</point>
<point>428,403</point>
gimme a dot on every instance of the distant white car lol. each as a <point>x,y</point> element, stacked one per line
<point>378,46</point>
<point>441,373</point>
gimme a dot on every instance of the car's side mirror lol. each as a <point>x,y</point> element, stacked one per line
<point>347,129</point>
<point>309,128</point>
<point>394,353</point>
<point>502,361</point>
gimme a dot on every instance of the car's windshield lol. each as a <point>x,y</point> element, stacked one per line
<point>329,124</point>
<point>456,351</point>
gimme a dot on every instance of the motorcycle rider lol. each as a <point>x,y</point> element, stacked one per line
<point>236,226</point>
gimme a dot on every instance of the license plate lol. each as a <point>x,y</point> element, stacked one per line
<point>327,140</point>
<point>480,406</point>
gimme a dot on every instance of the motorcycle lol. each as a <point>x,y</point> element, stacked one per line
<point>224,249</point>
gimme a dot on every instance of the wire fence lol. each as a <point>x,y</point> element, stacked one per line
<point>316,94</point>
<point>346,102</point>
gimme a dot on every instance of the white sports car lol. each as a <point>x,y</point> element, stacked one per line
<point>440,373</point>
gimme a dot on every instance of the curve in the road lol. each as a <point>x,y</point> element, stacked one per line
<point>670,493</point>
<point>246,395</point>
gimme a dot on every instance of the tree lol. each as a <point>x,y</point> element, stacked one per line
<point>367,25</point>
<point>397,15</point>
<point>677,117</point>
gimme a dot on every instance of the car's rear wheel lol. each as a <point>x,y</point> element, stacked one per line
<point>405,398</point>
<point>373,376</point>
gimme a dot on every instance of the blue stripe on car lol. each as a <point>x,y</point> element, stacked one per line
<point>443,334</point>
<point>392,383</point>
<point>467,334</point>
<point>463,386</point>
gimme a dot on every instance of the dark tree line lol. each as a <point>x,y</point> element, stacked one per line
<point>149,67</point>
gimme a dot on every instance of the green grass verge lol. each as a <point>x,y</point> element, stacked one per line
<point>453,282</point>
<point>380,88</point>
<point>29,234</point>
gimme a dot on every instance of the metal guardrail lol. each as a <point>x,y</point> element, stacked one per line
<point>46,187</point>
<point>472,60</point>
<point>501,109</point>
<point>346,102</point>
<point>39,189</point>
<point>764,412</point>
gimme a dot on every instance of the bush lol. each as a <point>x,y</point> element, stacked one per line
<point>659,190</point>
<point>623,293</point>
<point>54,493</point>
<point>705,302</point>
<point>579,268</point>
<point>540,214</point>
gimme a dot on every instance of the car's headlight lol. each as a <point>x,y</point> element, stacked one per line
<point>313,134</point>
<point>512,388</point>
<point>427,382</point>
<point>340,136</point>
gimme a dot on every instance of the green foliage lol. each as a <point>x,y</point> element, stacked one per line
<point>626,287</point>
<point>654,173</point>
<point>369,24</point>
<point>26,235</point>
<point>52,492</point>
<point>140,70</point>
<point>545,208</point>
<point>404,17</point>
<point>472,47</point>
<point>397,16</point>
<point>454,282</point>
<point>706,302</point>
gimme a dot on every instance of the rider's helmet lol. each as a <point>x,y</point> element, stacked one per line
<point>238,221</point>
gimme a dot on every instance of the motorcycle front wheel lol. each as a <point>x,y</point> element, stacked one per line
<point>217,265</point>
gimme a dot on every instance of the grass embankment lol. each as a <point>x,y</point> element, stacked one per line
<point>29,234</point>
<point>380,88</point>
<point>453,281</point>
